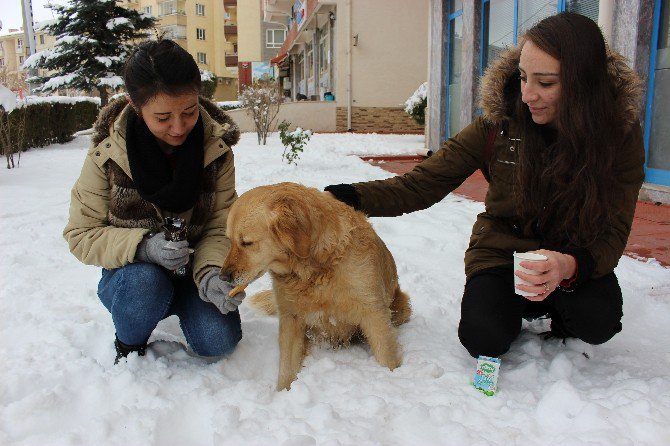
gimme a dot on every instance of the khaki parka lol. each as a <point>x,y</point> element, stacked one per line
<point>108,218</point>
<point>499,231</point>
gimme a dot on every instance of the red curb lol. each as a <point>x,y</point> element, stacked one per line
<point>649,237</point>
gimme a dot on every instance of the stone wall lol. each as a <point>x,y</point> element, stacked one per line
<point>377,120</point>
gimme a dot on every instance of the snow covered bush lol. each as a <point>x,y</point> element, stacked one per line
<point>40,121</point>
<point>208,80</point>
<point>262,101</point>
<point>294,142</point>
<point>415,106</point>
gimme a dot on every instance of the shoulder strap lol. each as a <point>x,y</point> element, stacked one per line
<point>488,152</point>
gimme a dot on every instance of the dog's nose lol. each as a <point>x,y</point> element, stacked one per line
<point>226,276</point>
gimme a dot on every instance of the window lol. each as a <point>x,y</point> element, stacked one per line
<point>324,50</point>
<point>21,58</point>
<point>454,69</point>
<point>589,8</point>
<point>168,8</point>
<point>199,9</point>
<point>202,58</point>
<point>148,10</point>
<point>19,44</point>
<point>506,20</point>
<point>2,62</point>
<point>200,33</point>
<point>41,39</point>
<point>274,38</point>
<point>310,62</point>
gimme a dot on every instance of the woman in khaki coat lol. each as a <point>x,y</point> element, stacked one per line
<point>561,145</point>
<point>160,156</point>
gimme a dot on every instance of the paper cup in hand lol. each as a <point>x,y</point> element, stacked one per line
<point>527,257</point>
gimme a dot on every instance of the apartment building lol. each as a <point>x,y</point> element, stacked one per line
<point>207,29</point>
<point>258,42</point>
<point>367,56</point>
<point>14,51</point>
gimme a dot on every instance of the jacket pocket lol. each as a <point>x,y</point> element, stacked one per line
<point>505,162</point>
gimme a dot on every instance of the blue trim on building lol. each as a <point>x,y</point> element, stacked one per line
<point>657,176</point>
<point>653,175</point>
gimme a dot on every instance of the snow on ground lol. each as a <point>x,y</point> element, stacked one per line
<point>59,385</point>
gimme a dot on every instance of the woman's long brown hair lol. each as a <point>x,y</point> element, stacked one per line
<point>567,175</point>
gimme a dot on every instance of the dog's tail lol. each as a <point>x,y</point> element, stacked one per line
<point>401,309</point>
<point>264,302</point>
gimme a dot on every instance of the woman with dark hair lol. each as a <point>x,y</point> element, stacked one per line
<point>561,146</point>
<point>151,204</point>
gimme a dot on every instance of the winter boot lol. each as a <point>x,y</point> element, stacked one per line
<point>123,350</point>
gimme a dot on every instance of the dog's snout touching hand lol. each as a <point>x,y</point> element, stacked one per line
<point>226,276</point>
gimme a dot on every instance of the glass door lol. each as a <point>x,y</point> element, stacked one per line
<point>454,67</point>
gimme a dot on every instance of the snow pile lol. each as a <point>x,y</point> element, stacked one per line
<point>119,22</point>
<point>206,76</point>
<point>7,99</point>
<point>58,99</point>
<point>112,81</point>
<point>59,385</point>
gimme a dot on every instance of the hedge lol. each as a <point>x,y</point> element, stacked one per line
<point>51,122</point>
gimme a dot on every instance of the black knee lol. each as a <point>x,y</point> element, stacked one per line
<point>593,312</point>
<point>491,313</point>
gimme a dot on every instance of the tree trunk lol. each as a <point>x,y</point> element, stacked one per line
<point>104,96</point>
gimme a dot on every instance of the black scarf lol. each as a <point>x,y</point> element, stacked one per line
<point>171,190</point>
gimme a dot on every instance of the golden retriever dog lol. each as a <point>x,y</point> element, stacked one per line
<point>333,279</point>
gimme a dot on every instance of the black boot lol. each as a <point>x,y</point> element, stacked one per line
<point>123,350</point>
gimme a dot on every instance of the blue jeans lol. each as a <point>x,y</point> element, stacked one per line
<point>139,295</point>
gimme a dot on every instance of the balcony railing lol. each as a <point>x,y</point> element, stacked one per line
<point>230,30</point>
<point>231,60</point>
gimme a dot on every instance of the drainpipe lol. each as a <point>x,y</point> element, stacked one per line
<point>349,59</point>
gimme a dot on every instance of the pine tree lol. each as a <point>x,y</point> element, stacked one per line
<point>93,40</point>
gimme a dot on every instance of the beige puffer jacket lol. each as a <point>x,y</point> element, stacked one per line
<point>108,218</point>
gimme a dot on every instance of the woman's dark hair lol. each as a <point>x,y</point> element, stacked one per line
<point>160,66</point>
<point>568,186</point>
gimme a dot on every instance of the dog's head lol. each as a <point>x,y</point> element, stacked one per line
<point>276,227</point>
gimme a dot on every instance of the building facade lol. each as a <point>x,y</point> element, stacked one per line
<point>368,56</point>
<point>467,35</point>
<point>14,51</point>
<point>207,29</point>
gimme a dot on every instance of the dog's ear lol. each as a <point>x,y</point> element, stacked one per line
<point>290,225</point>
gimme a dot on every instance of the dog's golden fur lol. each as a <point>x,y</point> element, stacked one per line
<point>332,276</point>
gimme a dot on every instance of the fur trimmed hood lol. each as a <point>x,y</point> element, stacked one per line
<point>107,116</point>
<point>498,88</point>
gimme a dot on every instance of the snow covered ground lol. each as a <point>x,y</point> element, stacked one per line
<point>59,386</point>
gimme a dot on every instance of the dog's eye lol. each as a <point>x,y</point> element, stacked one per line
<point>247,243</point>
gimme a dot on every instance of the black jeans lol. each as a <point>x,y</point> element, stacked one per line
<point>491,312</point>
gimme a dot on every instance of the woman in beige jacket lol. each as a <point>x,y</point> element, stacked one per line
<point>160,155</point>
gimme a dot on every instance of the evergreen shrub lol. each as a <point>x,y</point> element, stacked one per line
<point>51,122</point>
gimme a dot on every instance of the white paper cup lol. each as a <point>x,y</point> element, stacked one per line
<point>527,257</point>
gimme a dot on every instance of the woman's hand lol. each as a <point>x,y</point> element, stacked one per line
<point>551,273</point>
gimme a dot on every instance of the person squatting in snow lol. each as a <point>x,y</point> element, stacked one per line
<point>561,145</point>
<point>161,152</point>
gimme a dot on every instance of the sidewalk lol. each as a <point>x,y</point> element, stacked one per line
<point>649,237</point>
